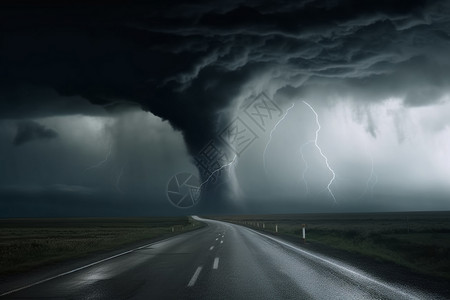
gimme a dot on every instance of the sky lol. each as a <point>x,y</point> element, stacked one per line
<point>218,107</point>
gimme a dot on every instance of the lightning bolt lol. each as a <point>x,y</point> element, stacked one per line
<point>374,183</point>
<point>101,162</point>
<point>372,178</point>
<point>321,153</point>
<point>217,170</point>
<point>270,135</point>
<point>306,164</point>
<point>118,180</point>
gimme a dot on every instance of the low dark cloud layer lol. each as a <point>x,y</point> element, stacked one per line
<point>193,63</point>
<point>28,131</point>
<point>188,62</point>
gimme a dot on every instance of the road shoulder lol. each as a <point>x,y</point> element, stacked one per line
<point>386,271</point>
<point>13,281</point>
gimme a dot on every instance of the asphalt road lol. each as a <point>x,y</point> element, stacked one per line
<point>221,261</point>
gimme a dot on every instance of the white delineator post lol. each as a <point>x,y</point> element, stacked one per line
<point>304,232</point>
<point>276,227</point>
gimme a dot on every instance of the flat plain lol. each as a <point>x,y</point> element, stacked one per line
<point>29,243</point>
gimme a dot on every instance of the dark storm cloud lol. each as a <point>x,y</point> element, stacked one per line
<point>28,131</point>
<point>51,189</point>
<point>61,200</point>
<point>188,63</point>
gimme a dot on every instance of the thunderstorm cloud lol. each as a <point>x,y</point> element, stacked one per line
<point>381,66</point>
<point>28,131</point>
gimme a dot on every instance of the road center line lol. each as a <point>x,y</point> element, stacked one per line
<point>195,276</point>
<point>216,263</point>
<point>210,248</point>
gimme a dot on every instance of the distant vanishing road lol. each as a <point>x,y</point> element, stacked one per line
<point>221,261</point>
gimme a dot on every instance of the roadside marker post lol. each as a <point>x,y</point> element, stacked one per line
<point>304,232</point>
<point>276,227</point>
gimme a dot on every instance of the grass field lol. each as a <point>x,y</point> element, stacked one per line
<point>28,243</point>
<point>417,240</point>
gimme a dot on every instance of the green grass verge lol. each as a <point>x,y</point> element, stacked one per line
<point>28,243</point>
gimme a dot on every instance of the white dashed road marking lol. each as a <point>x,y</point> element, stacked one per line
<point>195,276</point>
<point>216,263</point>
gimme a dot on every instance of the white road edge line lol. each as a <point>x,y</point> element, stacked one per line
<point>338,266</point>
<point>195,276</point>
<point>210,248</point>
<point>75,270</point>
<point>216,263</point>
